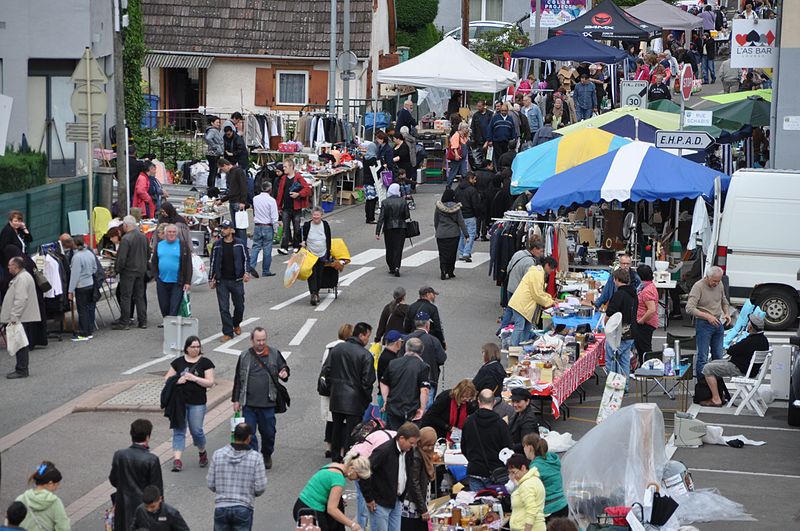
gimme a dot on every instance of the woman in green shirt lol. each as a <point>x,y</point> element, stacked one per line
<point>549,466</point>
<point>322,495</point>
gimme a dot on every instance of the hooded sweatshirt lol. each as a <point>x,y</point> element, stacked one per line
<point>482,438</point>
<point>549,468</point>
<point>216,145</point>
<point>527,503</point>
<point>237,476</point>
<point>45,511</point>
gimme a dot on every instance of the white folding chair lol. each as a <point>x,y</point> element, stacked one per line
<point>747,388</point>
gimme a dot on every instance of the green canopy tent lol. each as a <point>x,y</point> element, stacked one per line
<point>753,110</point>
<point>664,106</point>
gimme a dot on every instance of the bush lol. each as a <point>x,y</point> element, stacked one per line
<point>491,45</point>
<point>419,41</point>
<point>412,15</point>
<point>22,171</point>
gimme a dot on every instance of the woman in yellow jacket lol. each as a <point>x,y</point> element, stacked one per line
<point>528,299</point>
<point>527,500</point>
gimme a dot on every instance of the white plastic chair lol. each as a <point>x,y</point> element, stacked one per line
<point>747,388</point>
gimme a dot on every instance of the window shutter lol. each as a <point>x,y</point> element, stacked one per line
<point>318,87</point>
<point>265,87</point>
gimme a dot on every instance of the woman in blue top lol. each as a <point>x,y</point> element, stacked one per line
<point>322,495</point>
<point>549,466</point>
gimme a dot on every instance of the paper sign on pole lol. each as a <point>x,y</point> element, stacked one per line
<point>558,12</point>
<point>754,44</point>
<point>5,119</point>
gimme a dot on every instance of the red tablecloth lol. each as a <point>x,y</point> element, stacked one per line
<point>579,372</point>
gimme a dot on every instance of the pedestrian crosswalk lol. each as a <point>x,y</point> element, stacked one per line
<point>418,259</point>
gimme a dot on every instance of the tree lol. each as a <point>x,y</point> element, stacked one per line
<point>415,27</point>
<point>133,58</point>
<point>491,45</point>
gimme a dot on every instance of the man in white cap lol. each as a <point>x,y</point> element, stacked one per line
<point>740,355</point>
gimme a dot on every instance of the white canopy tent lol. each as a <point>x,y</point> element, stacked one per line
<point>665,15</point>
<point>449,65</point>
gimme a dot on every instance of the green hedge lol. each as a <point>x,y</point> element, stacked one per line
<point>419,41</point>
<point>414,14</point>
<point>22,171</point>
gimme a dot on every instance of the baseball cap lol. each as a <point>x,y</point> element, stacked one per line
<point>226,224</point>
<point>392,336</point>
<point>519,393</point>
<point>427,289</point>
<point>757,321</point>
<point>422,316</point>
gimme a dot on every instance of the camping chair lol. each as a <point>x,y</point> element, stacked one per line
<point>747,388</point>
<point>101,216</point>
<point>685,342</point>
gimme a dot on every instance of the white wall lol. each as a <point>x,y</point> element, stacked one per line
<point>231,85</point>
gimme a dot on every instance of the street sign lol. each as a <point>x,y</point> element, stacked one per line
<point>697,118</point>
<point>347,76</point>
<point>96,75</point>
<point>683,139</point>
<point>634,93</point>
<point>346,61</point>
<point>78,132</point>
<point>80,105</point>
<point>687,82</point>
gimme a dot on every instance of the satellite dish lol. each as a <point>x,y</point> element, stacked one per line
<point>614,329</point>
<point>628,225</point>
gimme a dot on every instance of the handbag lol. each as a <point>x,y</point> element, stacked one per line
<point>41,281</point>
<point>185,309</point>
<point>323,389</point>
<point>241,220</point>
<point>412,228</point>
<point>282,399</point>
<point>16,339</point>
<point>451,153</point>
<point>387,178</point>
<point>498,475</point>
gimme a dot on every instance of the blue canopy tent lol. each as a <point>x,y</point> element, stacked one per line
<point>636,172</point>
<point>571,46</point>
<point>625,126</point>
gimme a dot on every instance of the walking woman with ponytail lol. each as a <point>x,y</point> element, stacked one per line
<point>393,314</point>
<point>45,509</point>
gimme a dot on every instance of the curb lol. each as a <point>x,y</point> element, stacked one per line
<point>220,392</point>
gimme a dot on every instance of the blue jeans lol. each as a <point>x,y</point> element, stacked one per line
<point>227,290</point>
<point>619,361</point>
<point>362,511</point>
<point>235,518</point>
<point>708,336</point>
<point>522,328</point>
<point>431,396</point>
<point>84,300</point>
<point>476,483</point>
<point>262,241</point>
<point>582,114</point>
<point>458,167</point>
<point>386,518</point>
<point>708,68</point>
<point>465,246</point>
<point>264,419</point>
<point>195,414</point>
<point>169,297</point>
<point>239,233</point>
<point>508,314</point>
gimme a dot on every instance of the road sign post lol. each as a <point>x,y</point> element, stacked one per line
<point>683,140</point>
<point>634,93</point>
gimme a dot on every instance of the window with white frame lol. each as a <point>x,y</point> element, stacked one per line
<point>292,87</point>
<point>485,10</point>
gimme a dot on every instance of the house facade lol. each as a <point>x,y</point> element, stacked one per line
<point>449,15</point>
<point>41,42</point>
<point>256,55</point>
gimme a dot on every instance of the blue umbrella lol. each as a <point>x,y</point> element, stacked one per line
<point>636,172</point>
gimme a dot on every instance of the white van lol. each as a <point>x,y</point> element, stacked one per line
<point>759,242</point>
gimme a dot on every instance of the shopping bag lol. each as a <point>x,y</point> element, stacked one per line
<point>240,220</point>
<point>186,306</point>
<point>16,339</point>
<point>236,419</point>
<point>612,396</point>
<point>339,250</point>
<point>387,178</point>
<point>199,271</point>
<point>278,235</point>
<point>307,267</point>
<point>375,350</point>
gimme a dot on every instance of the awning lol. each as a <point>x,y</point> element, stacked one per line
<point>168,60</point>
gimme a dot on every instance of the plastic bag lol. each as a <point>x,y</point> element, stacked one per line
<point>186,306</point>
<point>708,505</point>
<point>339,250</point>
<point>375,350</point>
<point>199,271</point>
<point>307,267</point>
<point>241,221</point>
<point>16,339</point>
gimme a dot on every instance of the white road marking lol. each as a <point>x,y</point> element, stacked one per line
<point>477,259</point>
<point>303,332</point>
<point>411,244</point>
<point>419,258</point>
<point>743,473</point>
<point>294,299</point>
<point>329,298</point>
<point>367,256</point>
<point>225,347</point>
<point>744,427</point>
<point>351,277</point>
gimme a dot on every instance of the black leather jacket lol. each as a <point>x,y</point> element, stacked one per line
<point>418,481</point>
<point>132,469</point>
<point>521,424</point>
<point>394,213</point>
<point>350,372</point>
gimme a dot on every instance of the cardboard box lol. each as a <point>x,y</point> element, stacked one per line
<point>347,197</point>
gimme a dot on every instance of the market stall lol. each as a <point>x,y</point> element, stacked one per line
<point>571,46</point>
<point>607,21</point>
<point>669,17</point>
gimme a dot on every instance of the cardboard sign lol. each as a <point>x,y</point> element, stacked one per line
<point>754,44</point>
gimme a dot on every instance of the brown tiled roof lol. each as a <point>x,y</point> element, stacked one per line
<point>299,28</point>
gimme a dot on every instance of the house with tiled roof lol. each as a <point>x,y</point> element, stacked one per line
<point>240,55</point>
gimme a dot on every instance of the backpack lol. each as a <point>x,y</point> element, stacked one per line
<point>370,425</point>
<point>702,392</point>
<point>99,278</point>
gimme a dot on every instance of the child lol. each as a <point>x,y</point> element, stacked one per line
<point>405,189</point>
<point>15,514</point>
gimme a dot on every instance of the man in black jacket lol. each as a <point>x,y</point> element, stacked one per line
<point>524,420</point>
<point>133,469</point>
<point>131,266</point>
<point>385,489</point>
<point>467,194</point>
<point>350,373</point>
<point>484,435</point>
<point>432,351</point>
<point>235,148</point>
<point>155,515</point>
<point>480,126</point>
<point>488,184</point>
<point>405,386</point>
<point>236,179</point>
<point>425,303</point>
